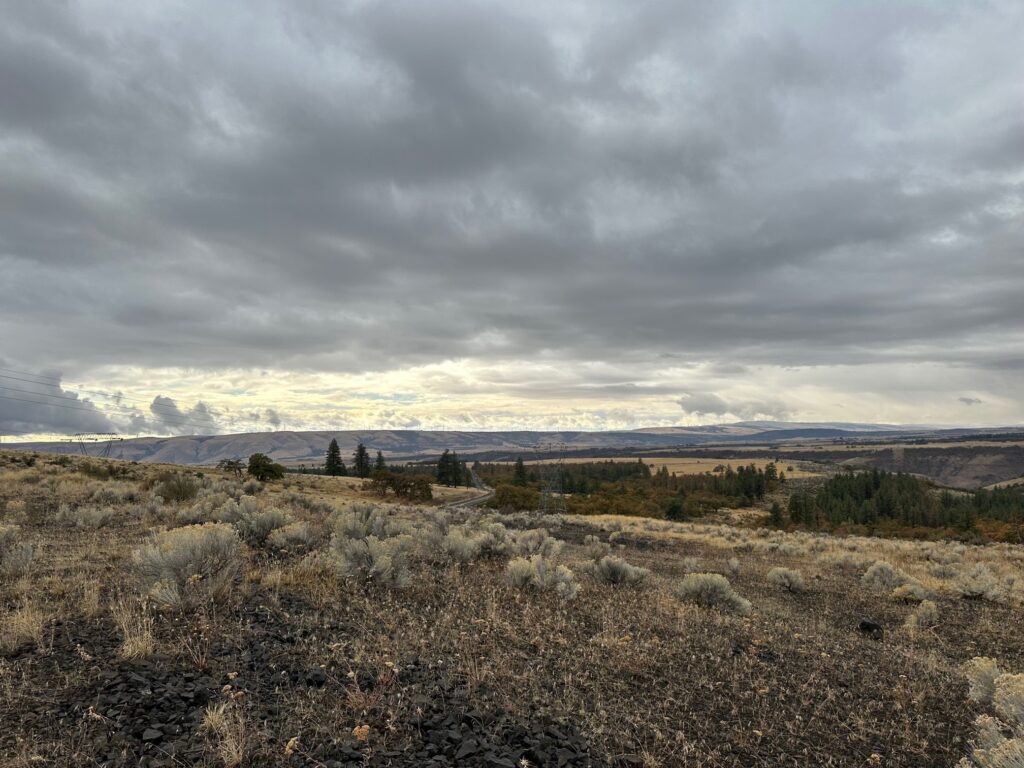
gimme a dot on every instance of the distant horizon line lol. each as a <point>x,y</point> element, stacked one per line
<point>767,425</point>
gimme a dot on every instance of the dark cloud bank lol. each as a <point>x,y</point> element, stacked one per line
<point>352,186</point>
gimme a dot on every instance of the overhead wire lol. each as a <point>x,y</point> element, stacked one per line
<point>170,414</point>
<point>117,397</point>
<point>96,411</point>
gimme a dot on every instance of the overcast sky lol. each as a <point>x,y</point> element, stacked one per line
<point>304,214</point>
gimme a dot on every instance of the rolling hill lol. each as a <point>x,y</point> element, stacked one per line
<point>296,448</point>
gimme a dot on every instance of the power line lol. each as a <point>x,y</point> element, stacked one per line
<point>52,405</point>
<point>180,417</point>
<point>93,410</point>
<point>173,416</point>
<point>99,393</point>
<point>37,375</point>
<point>170,413</point>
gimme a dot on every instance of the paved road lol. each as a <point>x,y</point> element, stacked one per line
<point>476,500</point>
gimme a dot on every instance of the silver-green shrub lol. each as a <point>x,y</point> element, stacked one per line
<point>85,517</point>
<point>1008,699</point>
<point>254,528</point>
<point>979,583</point>
<point>712,590</point>
<point>537,541</point>
<point>15,556</point>
<point>981,673</point>
<point>881,575</point>
<point>594,548</point>
<point>359,521</point>
<point>1000,740</point>
<point>615,570</point>
<point>911,592</point>
<point>541,574</point>
<point>373,560</point>
<point>690,565</point>
<point>190,564</point>
<point>460,546</point>
<point>296,538</point>
<point>114,493</point>
<point>925,616</point>
<point>789,579</point>
<point>177,487</point>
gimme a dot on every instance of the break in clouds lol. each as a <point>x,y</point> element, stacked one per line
<point>558,214</point>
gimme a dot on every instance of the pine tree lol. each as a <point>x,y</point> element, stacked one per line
<point>361,461</point>
<point>775,515</point>
<point>379,465</point>
<point>519,476</point>
<point>449,469</point>
<point>444,468</point>
<point>334,466</point>
<point>455,470</point>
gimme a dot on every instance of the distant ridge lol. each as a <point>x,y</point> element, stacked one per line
<point>295,448</point>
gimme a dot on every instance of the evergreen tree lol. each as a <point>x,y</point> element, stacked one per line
<point>675,509</point>
<point>334,466</point>
<point>444,468</point>
<point>451,470</point>
<point>519,476</point>
<point>455,472</point>
<point>379,465</point>
<point>775,515</point>
<point>361,461</point>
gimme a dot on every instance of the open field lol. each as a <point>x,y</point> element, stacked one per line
<point>338,490</point>
<point>684,466</point>
<point>862,445</point>
<point>695,465</point>
<point>334,632</point>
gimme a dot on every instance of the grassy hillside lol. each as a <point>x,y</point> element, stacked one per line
<point>162,619</point>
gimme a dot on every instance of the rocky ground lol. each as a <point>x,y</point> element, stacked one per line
<point>298,665</point>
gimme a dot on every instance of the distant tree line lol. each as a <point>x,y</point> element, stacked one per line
<point>878,499</point>
<point>582,477</point>
<point>631,488</point>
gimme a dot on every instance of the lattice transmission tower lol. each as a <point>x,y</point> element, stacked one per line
<point>104,442</point>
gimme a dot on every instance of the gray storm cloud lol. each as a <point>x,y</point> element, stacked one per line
<point>368,186</point>
<point>709,404</point>
<point>168,417</point>
<point>35,402</point>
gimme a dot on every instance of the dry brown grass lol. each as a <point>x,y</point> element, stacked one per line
<point>229,732</point>
<point>135,624</point>
<point>27,622</point>
<point>640,671</point>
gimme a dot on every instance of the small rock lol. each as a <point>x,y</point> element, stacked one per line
<point>468,748</point>
<point>872,628</point>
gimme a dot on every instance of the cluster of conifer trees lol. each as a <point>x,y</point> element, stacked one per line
<point>362,466</point>
<point>629,487</point>
<point>873,497</point>
<point>450,470</point>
